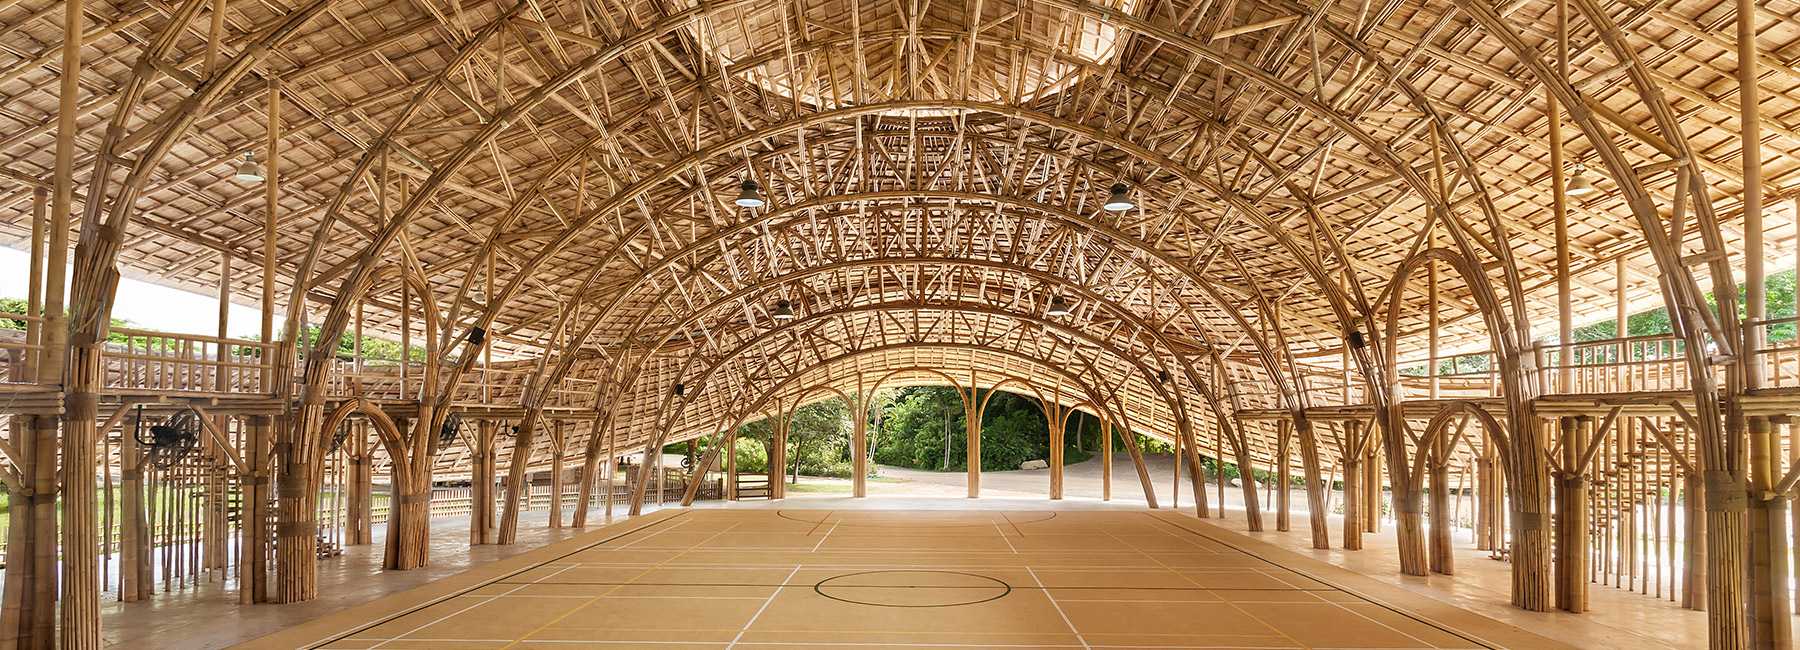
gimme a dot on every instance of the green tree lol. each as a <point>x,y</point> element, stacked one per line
<point>915,421</point>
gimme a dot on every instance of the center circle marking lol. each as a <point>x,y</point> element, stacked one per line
<point>910,588</point>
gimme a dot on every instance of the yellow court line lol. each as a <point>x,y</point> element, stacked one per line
<point>926,632</point>
<point>1233,605</point>
<point>596,599</point>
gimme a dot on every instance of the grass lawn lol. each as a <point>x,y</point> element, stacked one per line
<point>817,487</point>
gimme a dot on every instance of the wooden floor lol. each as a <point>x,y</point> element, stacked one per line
<point>891,579</point>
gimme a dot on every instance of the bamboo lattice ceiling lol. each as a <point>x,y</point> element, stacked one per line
<point>919,158</point>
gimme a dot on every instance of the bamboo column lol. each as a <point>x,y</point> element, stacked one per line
<point>481,485</point>
<point>256,542</point>
<point>360,524</point>
<point>1572,549</point>
<point>20,605</point>
<point>1442,555</point>
<point>1283,467</point>
<point>859,448</point>
<point>1353,489</point>
<point>1694,580</point>
<point>1196,472</point>
<point>590,469</point>
<point>777,455</point>
<point>1793,450</point>
<point>1056,423</point>
<point>1489,496</point>
<point>556,474</point>
<point>1106,464</point>
<point>972,436</point>
<point>1316,487</point>
<point>409,509</point>
<point>516,490</point>
<point>1371,485</point>
<point>81,379</point>
<point>16,615</point>
<point>134,529</point>
<point>1771,623</point>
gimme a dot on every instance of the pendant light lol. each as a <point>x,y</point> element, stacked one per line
<point>1120,200</point>
<point>247,170</point>
<point>1058,307</point>
<point>1580,184</point>
<point>750,196</point>
<point>784,310</point>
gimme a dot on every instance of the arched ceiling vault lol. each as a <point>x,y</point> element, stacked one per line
<point>574,163</point>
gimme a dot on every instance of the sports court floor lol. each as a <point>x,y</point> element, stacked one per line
<point>905,579</point>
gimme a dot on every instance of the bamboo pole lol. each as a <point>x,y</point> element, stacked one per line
<point>34,300</point>
<point>360,525</point>
<point>1353,490</point>
<point>1056,423</point>
<point>859,448</point>
<point>19,602</point>
<point>1441,553</point>
<point>1770,625</point>
<point>1137,460</point>
<point>1196,472</point>
<point>481,485</point>
<point>17,615</point>
<point>778,455</point>
<point>589,474</point>
<point>1793,456</point>
<point>556,474</point>
<point>972,407</point>
<point>80,598</point>
<point>1317,489</point>
<point>1373,470</point>
<point>409,509</point>
<point>516,489</point>
<point>1572,547</point>
<point>1283,466</point>
<point>1106,461</point>
<point>612,466</point>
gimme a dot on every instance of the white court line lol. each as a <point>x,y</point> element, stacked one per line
<point>760,610</point>
<point>1059,609</point>
<point>833,527</point>
<point>659,532</point>
<point>441,619</point>
<point>1003,536</point>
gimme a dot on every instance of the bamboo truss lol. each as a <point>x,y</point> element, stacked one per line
<point>534,200</point>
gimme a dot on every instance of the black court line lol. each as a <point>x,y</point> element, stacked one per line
<point>784,585</point>
<point>819,588</point>
<point>841,522</point>
<point>463,592</point>
<point>1340,588</point>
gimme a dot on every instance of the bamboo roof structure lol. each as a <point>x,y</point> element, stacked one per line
<point>586,154</point>
<point>1323,193</point>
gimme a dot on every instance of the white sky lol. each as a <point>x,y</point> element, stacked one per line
<point>148,305</point>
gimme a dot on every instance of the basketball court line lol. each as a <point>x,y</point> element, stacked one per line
<point>1068,565</point>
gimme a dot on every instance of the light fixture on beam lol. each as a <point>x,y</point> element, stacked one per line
<point>1120,200</point>
<point>247,170</point>
<point>1058,307</point>
<point>749,195</point>
<point>1580,184</point>
<point>784,310</point>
